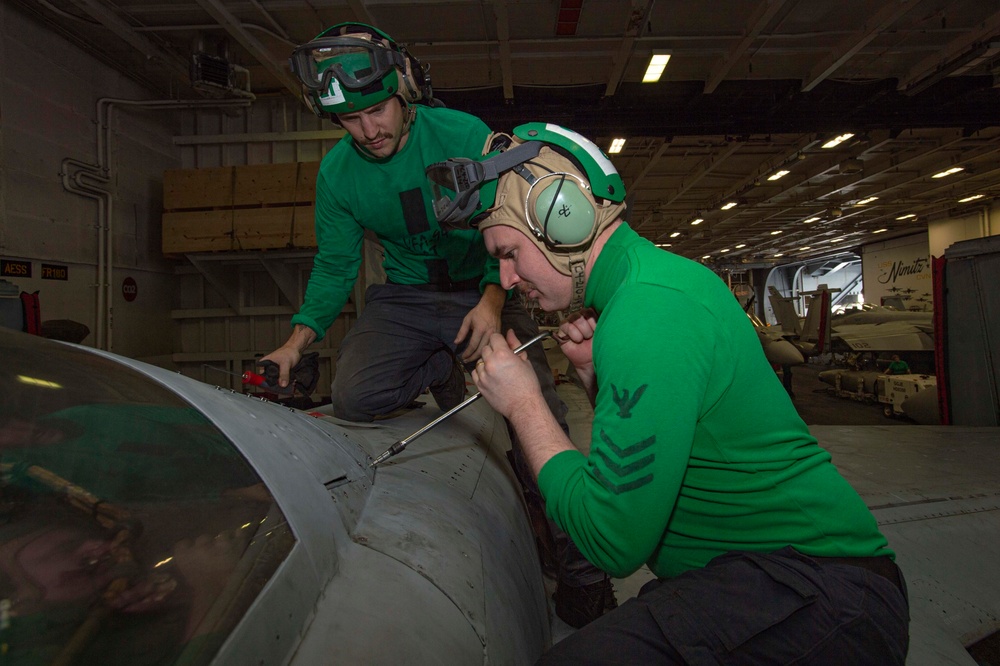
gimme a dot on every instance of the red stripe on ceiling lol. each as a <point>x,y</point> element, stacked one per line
<point>568,17</point>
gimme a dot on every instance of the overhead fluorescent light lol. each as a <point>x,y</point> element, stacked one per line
<point>811,219</point>
<point>731,204</point>
<point>837,140</point>
<point>776,232</point>
<point>741,245</point>
<point>907,216</point>
<point>878,231</point>
<point>675,234</point>
<point>778,174</point>
<point>616,146</point>
<point>664,245</point>
<point>724,250</point>
<point>707,256</point>
<point>802,249</point>
<point>972,198</point>
<point>778,255</point>
<point>866,201</point>
<point>948,172</point>
<point>696,221</point>
<point>654,70</point>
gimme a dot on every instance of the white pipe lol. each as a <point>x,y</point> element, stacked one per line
<point>76,186</point>
<point>104,110</point>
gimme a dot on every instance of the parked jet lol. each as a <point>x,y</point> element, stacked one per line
<point>150,518</point>
<point>870,329</point>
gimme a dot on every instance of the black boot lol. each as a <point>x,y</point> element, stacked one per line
<point>578,606</point>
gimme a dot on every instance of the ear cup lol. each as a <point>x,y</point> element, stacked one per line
<point>562,210</point>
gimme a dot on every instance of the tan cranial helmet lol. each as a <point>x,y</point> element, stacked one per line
<point>546,181</point>
<point>551,199</point>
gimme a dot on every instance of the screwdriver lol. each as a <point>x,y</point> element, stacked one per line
<point>403,443</point>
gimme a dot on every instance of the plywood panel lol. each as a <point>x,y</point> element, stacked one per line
<point>197,231</point>
<point>197,188</point>
<point>261,184</point>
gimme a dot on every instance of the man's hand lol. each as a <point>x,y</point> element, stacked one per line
<point>509,384</point>
<point>289,354</point>
<point>506,380</point>
<point>575,337</point>
<point>481,322</point>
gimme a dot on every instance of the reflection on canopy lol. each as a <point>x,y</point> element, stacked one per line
<point>131,530</point>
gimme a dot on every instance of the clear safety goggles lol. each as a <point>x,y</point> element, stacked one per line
<point>306,59</point>
<point>456,182</point>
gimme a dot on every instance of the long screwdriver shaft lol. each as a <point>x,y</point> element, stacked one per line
<point>403,443</point>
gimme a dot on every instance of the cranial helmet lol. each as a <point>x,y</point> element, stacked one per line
<point>549,182</point>
<point>353,66</point>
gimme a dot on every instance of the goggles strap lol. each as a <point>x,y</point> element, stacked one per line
<point>510,158</point>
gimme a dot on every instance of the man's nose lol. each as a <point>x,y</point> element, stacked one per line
<point>369,127</point>
<point>508,276</point>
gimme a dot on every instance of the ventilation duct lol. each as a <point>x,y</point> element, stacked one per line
<point>217,77</point>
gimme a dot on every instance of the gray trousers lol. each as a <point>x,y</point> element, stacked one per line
<point>403,342</point>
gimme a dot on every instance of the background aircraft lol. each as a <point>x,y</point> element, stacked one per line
<point>872,329</point>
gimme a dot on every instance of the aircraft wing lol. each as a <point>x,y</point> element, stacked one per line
<point>936,497</point>
<point>888,336</point>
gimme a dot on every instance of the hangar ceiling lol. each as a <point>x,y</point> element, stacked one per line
<point>753,87</point>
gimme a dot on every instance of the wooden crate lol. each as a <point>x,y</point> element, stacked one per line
<point>254,207</point>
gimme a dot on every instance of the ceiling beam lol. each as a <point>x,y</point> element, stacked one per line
<point>760,19</point>
<point>100,12</point>
<point>650,163</point>
<point>889,14</point>
<point>503,37</point>
<point>361,12</point>
<point>235,28</point>
<point>637,19</point>
<point>706,167</point>
<point>937,64</point>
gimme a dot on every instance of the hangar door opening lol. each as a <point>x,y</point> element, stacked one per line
<point>840,272</point>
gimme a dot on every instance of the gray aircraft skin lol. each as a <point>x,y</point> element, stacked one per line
<point>427,560</point>
<point>214,527</point>
<point>936,496</point>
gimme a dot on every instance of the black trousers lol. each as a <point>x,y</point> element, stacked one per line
<point>752,609</point>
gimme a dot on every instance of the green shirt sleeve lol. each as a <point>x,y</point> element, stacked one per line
<point>615,504</point>
<point>335,266</point>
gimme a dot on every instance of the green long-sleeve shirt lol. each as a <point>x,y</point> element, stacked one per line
<point>391,198</point>
<point>696,448</point>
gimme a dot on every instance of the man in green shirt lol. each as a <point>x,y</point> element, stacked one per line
<point>898,366</point>
<point>442,299</point>
<point>699,465</point>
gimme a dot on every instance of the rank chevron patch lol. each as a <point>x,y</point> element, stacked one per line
<point>625,404</point>
<point>620,469</point>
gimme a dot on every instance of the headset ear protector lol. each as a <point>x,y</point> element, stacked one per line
<point>559,209</point>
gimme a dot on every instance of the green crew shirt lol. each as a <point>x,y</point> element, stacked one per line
<point>899,368</point>
<point>696,448</point>
<point>390,198</point>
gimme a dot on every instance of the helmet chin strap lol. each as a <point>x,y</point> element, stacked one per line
<point>411,114</point>
<point>577,264</point>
